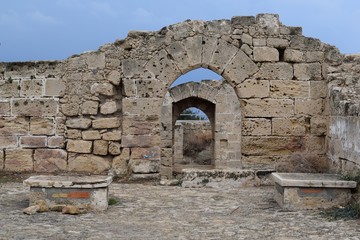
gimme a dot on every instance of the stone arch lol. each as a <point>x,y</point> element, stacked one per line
<point>218,100</point>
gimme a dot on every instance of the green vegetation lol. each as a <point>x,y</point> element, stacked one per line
<point>113,201</point>
<point>192,114</point>
<point>351,211</point>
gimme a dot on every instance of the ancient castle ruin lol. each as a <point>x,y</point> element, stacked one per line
<point>112,110</point>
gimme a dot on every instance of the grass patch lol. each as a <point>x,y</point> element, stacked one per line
<point>348,212</point>
<point>113,201</point>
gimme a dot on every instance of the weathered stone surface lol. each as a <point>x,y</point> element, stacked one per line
<point>88,163</point>
<point>8,141</point>
<point>293,55</point>
<point>4,108</point>
<point>105,89</point>
<point>90,107</point>
<point>269,23</point>
<point>35,107</point>
<point>144,166</point>
<point>243,20</point>
<point>289,88</point>
<point>42,126</point>
<point>135,125</point>
<point>100,123</point>
<point>253,89</point>
<point>144,106</point>
<point>14,126</point>
<point>153,153</point>
<point>30,88</point>
<point>309,106</point>
<point>54,87</point>
<point>19,160</point>
<point>266,54</point>
<point>140,141</point>
<point>95,60</point>
<point>289,126</point>
<point>114,148</point>
<point>80,123</point>
<point>50,160</point>
<point>318,125</point>
<point>91,135</point>
<point>114,77</point>
<point>73,134</point>
<point>1,159</point>
<point>111,136</point>
<point>120,163</point>
<point>278,42</point>
<point>307,71</point>
<point>318,89</point>
<point>281,71</point>
<point>222,54</point>
<point>256,127</point>
<point>56,142</point>
<point>79,146</point>
<point>9,88</point>
<point>268,107</point>
<point>33,141</point>
<point>109,107</point>
<point>101,147</point>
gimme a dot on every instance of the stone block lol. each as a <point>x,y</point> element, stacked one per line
<point>259,42</point>
<point>153,153</point>
<point>35,107</point>
<point>31,88</point>
<point>278,43</point>
<point>103,123</point>
<point>114,77</point>
<point>9,88</point>
<point>309,106</point>
<point>55,87</point>
<point>268,107</point>
<point>318,89</point>
<point>19,160</point>
<point>95,60</point>
<point>89,108</point>
<point>208,46</point>
<point>256,127</point>
<point>265,54</point>
<point>314,56</point>
<point>79,146</point>
<point>8,141</point>
<point>253,89</point>
<point>50,160</point>
<point>275,71</point>
<point>79,123</point>
<point>289,89</point>
<point>222,54</point>
<point>305,43</point>
<point>114,148</point>
<point>268,23</point>
<point>60,125</point>
<point>42,126</point>
<point>307,71</point>
<point>149,88</point>
<point>134,69</point>
<point>142,106</point>
<point>2,159</point>
<point>144,166</point>
<point>318,126</point>
<point>91,135</point>
<point>73,134</point>
<point>101,147</point>
<point>143,141</point>
<point>70,109</point>
<point>293,55</point>
<point>120,163</point>
<point>262,146</point>
<point>88,163</point>
<point>106,89</point>
<point>33,141</point>
<point>243,20</point>
<point>14,126</point>
<point>289,126</point>
<point>111,136</point>
<point>315,144</point>
<point>247,39</point>
<point>109,107</point>
<point>5,109</point>
<point>56,142</point>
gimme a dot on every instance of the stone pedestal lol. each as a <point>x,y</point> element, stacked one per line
<point>294,191</point>
<point>91,191</point>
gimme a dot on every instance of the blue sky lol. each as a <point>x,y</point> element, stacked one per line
<point>57,29</point>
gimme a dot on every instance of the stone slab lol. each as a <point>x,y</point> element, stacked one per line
<point>95,181</point>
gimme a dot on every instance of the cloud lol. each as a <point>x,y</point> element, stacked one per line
<point>40,17</point>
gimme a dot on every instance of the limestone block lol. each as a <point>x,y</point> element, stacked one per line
<point>114,77</point>
<point>91,135</point>
<point>101,147</point>
<point>288,126</point>
<point>243,20</point>
<point>73,134</point>
<point>314,56</point>
<point>239,68</point>
<point>31,88</point>
<point>305,43</point>
<point>162,67</point>
<point>132,68</point>
<point>268,107</point>
<point>318,126</point>
<point>166,157</point>
<point>246,49</point>
<point>153,153</point>
<point>14,126</point>
<point>70,109</point>
<point>88,163</point>
<point>8,141</point>
<point>4,108</point>
<point>256,127</point>
<point>315,144</point>
<point>50,160</point>
<point>109,107</point>
<point>293,55</point>
<point>100,123</point>
<point>289,88</point>
<point>268,23</point>
<point>55,87</point>
<point>79,123</point>
<point>260,162</point>
<point>95,60</point>
<point>266,54</point>
<point>35,107</point>
<point>140,141</point>
<point>247,39</point>
<point>60,125</point>
<point>19,160</point>
<point>258,146</point>
<point>33,141</point>
<point>309,106</point>
<point>42,126</point>
<point>111,136</point>
<point>142,106</point>
<point>307,71</point>
<point>106,89</point>
<point>222,55</point>
<point>253,89</point>
<point>273,71</point>
<point>79,146</point>
<point>9,88</point>
<point>114,148</point>
<point>129,88</point>
<point>144,166</point>
<point>150,88</point>
<point>120,163</point>
<point>1,159</point>
<point>278,42</point>
<point>259,42</point>
<point>318,89</point>
<point>208,47</point>
<point>56,142</point>
<point>90,107</point>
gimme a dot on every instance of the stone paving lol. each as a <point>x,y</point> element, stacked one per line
<point>150,211</point>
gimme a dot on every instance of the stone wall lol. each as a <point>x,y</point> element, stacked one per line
<point>107,105</point>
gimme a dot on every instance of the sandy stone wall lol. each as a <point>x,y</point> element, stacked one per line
<point>106,109</point>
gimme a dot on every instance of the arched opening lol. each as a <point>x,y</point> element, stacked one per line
<point>196,75</point>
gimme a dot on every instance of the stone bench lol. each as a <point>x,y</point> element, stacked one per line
<point>91,191</point>
<point>294,191</point>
